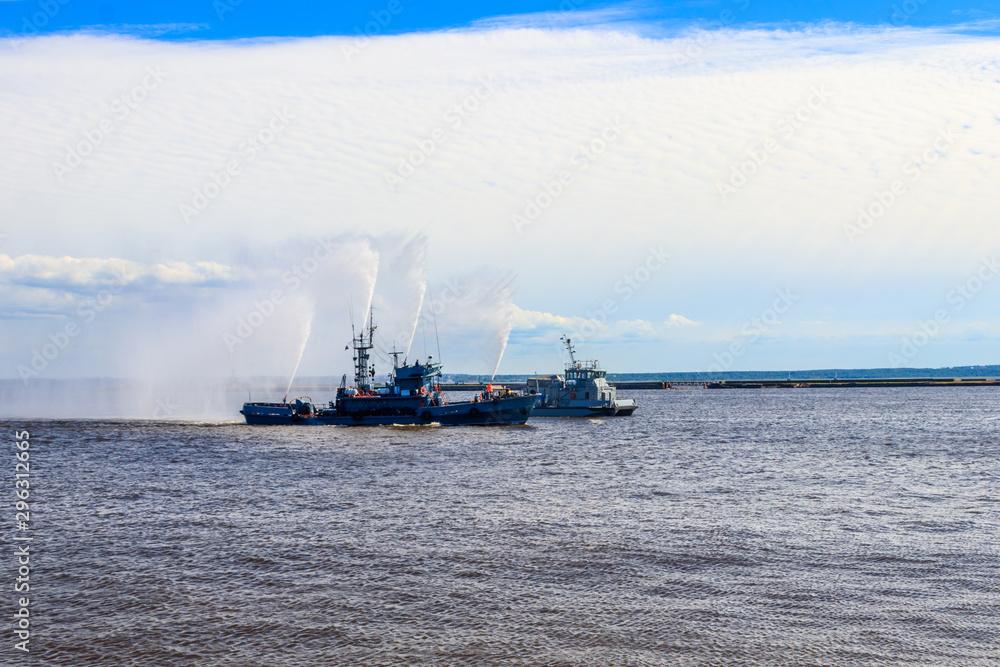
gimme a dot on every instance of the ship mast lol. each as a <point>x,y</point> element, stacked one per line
<point>362,371</point>
<point>572,352</point>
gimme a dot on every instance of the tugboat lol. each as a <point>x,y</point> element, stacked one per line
<point>583,392</point>
<point>411,396</point>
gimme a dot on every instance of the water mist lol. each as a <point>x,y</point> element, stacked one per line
<point>309,313</point>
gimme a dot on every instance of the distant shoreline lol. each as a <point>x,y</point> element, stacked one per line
<point>836,374</point>
<point>947,373</point>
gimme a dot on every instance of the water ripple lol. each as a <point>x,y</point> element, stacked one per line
<point>784,527</point>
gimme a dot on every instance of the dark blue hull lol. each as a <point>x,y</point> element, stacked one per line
<point>500,411</point>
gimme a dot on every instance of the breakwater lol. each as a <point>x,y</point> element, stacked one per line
<point>818,383</point>
<point>473,386</point>
<point>874,382</point>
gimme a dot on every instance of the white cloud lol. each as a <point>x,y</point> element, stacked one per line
<point>543,325</point>
<point>691,108</point>
<point>77,274</point>
<point>41,286</point>
<point>568,17</point>
<point>680,320</point>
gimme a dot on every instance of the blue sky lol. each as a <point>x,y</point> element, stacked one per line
<point>233,19</point>
<point>680,187</point>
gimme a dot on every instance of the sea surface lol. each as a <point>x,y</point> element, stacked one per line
<point>714,527</point>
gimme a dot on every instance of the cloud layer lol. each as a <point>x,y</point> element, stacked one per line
<point>567,157</point>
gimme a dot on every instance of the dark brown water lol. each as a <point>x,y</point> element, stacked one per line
<point>805,527</point>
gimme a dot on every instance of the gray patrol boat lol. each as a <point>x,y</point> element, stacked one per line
<point>582,391</point>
